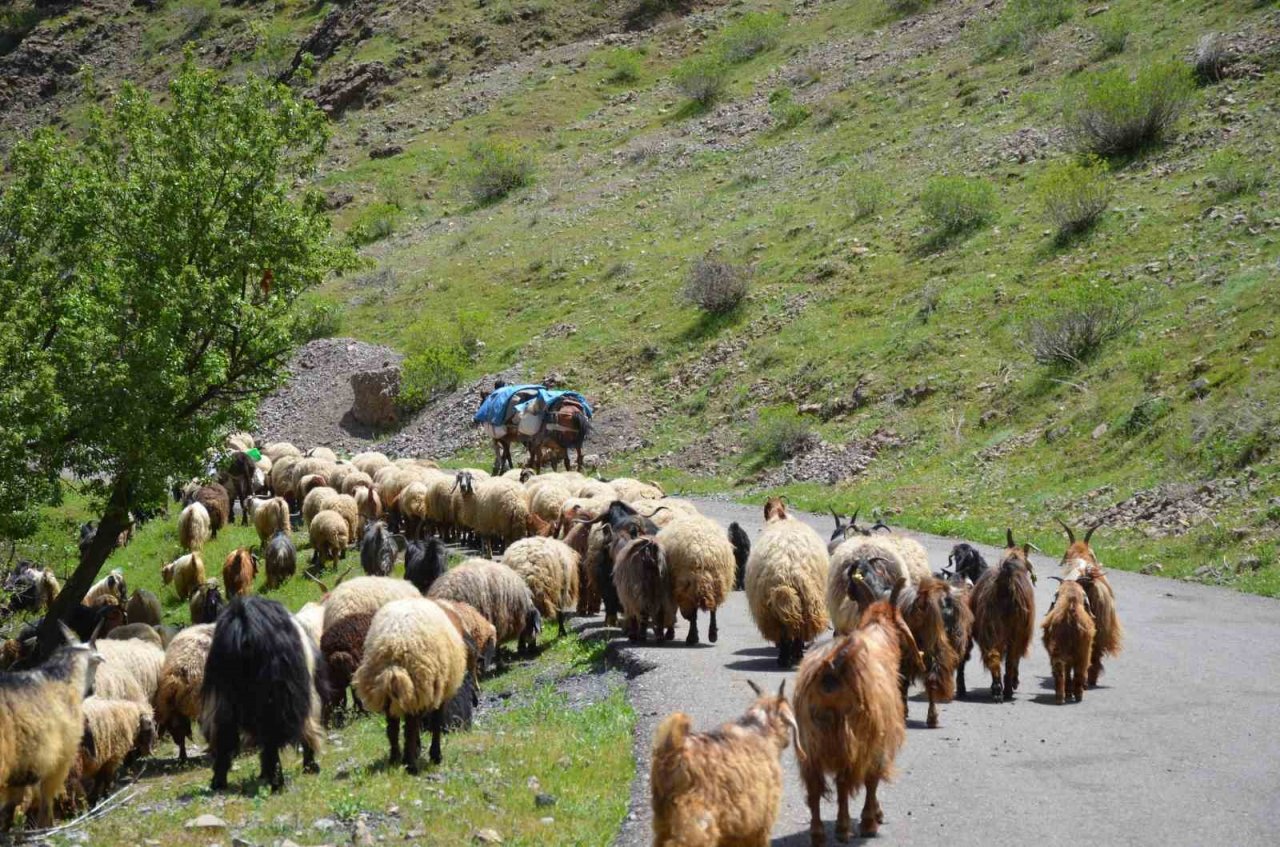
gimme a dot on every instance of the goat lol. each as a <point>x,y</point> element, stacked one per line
<point>1068,632</point>
<point>1080,563</point>
<point>1003,603</point>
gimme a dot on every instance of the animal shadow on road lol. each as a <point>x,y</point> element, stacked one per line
<point>766,659</point>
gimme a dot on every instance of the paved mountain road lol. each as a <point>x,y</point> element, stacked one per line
<point>1180,745</point>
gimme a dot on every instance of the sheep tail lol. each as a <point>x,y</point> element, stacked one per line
<point>787,607</point>
<point>671,734</point>
<point>396,685</point>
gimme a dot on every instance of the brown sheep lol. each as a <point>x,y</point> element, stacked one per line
<point>724,786</point>
<point>217,502</point>
<point>850,713</point>
<point>1068,633</point>
<point>1004,616</point>
<point>1080,563</point>
<point>239,571</point>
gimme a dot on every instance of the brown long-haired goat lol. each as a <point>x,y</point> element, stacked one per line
<point>1080,563</point>
<point>723,786</point>
<point>239,571</point>
<point>939,621</point>
<point>1068,632</point>
<point>849,708</point>
<point>1004,616</point>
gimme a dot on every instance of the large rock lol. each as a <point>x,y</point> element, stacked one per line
<point>376,394</point>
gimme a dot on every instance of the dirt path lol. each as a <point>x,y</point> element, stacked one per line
<point>1178,746</point>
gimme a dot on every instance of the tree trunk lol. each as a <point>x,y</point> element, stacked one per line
<point>115,519</point>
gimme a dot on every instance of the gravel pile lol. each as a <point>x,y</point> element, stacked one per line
<point>1168,510</point>
<point>832,463</point>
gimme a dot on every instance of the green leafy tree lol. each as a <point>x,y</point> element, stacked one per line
<point>149,275</point>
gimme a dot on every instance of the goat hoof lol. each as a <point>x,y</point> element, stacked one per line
<point>413,769</point>
<point>691,639</point>
<point>712,635</point>
<point>818,836</point>
<point>844,830</point>
<point>1008,692</point>
<point>932,722</point>
<point>869,828</point>
<point>997,693</point>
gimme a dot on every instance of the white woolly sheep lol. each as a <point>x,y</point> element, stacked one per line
<point>277,450</point>
<point>126,662</point>
<point>414,661</point>
<point>913,554</point>
<point>317,500</point>
<point>323,453</point>
<point>355,480</point>
<point>498,593</point>
<point>114,730</point>
<point>194,528</point>
<point>550,569</point>
<point>700,560</point>
<point>177,699</point>
<point>311,617</point>
<point>364,595</point>
<point>594,489</point>
<point>185,573</point>
<point>329,538</point>
<point>855,555</point>
<point>633,489</point>
<point>272,517</point>
<point>370,462</point>
<point>786,579</point>
<point>480,635</point>
<point>546,500</point>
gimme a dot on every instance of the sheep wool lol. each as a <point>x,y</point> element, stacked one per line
<point>311,616</point>
<point>272,517</point>
<point>912,553</point>
<point>495,591</point>
<point>115,728</point>
<point>700,559</point>
<point>140,660</point>
<point>177,699</point>
<point>194,528</point>
<point>365,595</point>
<point>184,574</point>
<point>329,536</point>
<point>786,580</point>
<point>859,550</point>
<point>475,629</point>
<point>550,568</point>
<point>318,499</point>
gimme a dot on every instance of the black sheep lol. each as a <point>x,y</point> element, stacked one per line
<point>424,562</point>
<point>741,552</point>
<point>263,680</point>
<point>377,550</point>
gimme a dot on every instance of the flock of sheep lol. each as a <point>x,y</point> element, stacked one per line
<point>414,649</point>
<point>895,623</point>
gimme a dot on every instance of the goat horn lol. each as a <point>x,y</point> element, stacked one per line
<point>1058,578</point>
<point>1008,537</point>
<point>96,631</point>
<point>782,689</point>
<point>897,589</point>
<point>853,519</point>
<point>755,688</point>
<point>1071,536</point>
<point>316,580</point>
<point>1089,532</point>
<point>834,515</point>
<point>345,574</point>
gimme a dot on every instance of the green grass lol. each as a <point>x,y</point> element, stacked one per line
<point>580,754</point>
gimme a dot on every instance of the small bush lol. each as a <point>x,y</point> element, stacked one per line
<point>317,319</point>
<point>494,171</point>
<point>785,111</point>
<point>954,205</point>
<point>1023,23</point>
<point>429,371</point>
<point>900,8</point>
<point>702,79</point>
<point>1112,32</point>
<point>1074,195</point>
<point>867,195</point>
<point>642,14</point>
<point>778,435</point>
<point>502,12</point>
<point>16,21</point>
<point>1110,114</point>
<point>1147,363</point>
<point>624,66</point>
<point>1209,62</point>
<point>1144,413</point>
<point>715,286</point>
<point>374,222</point>
<point>1072,325</point>
<point>749,36</point>
<point>1231,174</point>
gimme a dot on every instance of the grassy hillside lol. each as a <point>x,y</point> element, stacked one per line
<point>807,173</point>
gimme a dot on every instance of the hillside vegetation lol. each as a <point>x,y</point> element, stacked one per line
<point>1000,261</point>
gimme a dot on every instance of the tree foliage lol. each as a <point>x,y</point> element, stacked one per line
<point>148,278</point>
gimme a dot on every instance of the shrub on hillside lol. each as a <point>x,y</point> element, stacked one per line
<point>953,205</point>
<point>900,8</point>
<point>642,14</point>
<point>624,65</point>
<point>866,196</point>
<point>1022,23</point>
<point>16,20</point>
<point>785,111</point>
<point>440,351</point>
<point>1112,32</point>
<point>702,79</point>
<point>1069,327</point>
<point>318,319</point>
<point>1112,114</point>
<point>779,434</point>
<point>749,36</point>
<point>1231,174</point>
<point>1209,62</point>
<point>373,222</point>
<point>715,286</point>
<point>1074,195</point>
<point>495,170</point>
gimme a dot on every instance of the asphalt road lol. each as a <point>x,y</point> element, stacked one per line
<point>1179,745</point>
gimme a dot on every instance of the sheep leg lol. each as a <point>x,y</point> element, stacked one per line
<point>713,631</point>
<point>991,658</point>
<point>1011,675</point>
<point>393,737</point>
<point>815,786</point>
<point>560,621</point>
<point>437,730</point>
<point>844,826</point>
<point>412,743</point>
<point>872,814</point>
<point>692,637</point>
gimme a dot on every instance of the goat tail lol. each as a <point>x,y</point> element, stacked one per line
<point>671,734</point>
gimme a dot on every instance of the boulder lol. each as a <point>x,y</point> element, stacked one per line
<point>376,395</point>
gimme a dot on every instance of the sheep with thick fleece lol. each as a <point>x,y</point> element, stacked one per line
<point>854,556</point>
<point>277,450</point>
<point>144,607</point>
<point>913,554</point>
<point>281,477</point>
<point>317,500</point>
<point>502,511</point>
<point>700,559</point>
<point>177,698</point>
<point>786,581</point>
<point>184,573</point>
<point>414,662</point>
<point>342,646</point>
<point>546,500</point>
<point>329,538</point>
<point>364,595</point>
<point>633,489</point>
<point>498,593</point>
<point>370,462</point>
<point>139,661</point>
<point>193,528</point>
<point>346,505</point>
<point>311,616</point>
<point>41,725</point>
<point>480,635</point>
<point>138,632</point>
<point>272,517</point>
<point>550,568</point>
<point>722,787</point>
<point>643,581</point>
<point>114,730</point>
<point>354,480</point>
<point>414,507</point>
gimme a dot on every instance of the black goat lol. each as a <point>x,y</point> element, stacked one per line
<point>263,680</point>
<point>741,552</point>
<point>377,550</point>
<point>424,562</point>
<point>964,565</point>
